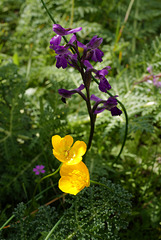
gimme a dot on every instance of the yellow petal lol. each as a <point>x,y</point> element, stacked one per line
<point>76,152</point>
<point>66,170</point>
<point>78,174</point>
<point>61,147</point>
<point>66,142</point>
<point>56,142</point>
<point>59,156</point>
<point>66,185</point>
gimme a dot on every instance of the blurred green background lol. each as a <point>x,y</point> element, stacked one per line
<point>31,111</point>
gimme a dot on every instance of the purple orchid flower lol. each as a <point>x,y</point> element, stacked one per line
<point>39,169</point>
<point>109,104</point>
<point>103,72</point>
<point>97,55</point>
<point>104,85</point>
<point>91,51</point>
<point>94,43</point>
<point>100,74</point>
<point>68,93</point>
<point>59,30</point>
<point>55,42</point>
<point>64,57</point>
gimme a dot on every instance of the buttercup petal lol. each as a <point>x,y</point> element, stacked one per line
<point>59,155</point>
<point>63,151</point>
<point>74,178</point>
<point>66,185</point>
<point>66,142</point>
<point>77,151</point>
<point>56,142</point>
<point>79,148</point>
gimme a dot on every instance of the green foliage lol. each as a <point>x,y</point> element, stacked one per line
<point>31,112</point>
<point>102,216</point>
<point>25,127</point>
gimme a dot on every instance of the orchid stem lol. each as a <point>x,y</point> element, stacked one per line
<point>126,129</point>
<point>126,125</point>
<point>52,19</point>
<point>92,119</point>
<point>72,13</point>
<point>44,5</point>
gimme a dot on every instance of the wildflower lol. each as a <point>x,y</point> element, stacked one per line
<point>55,42</point>
<point>103,72</point>
<point>100,74</point>
<point>59,30</point>
<point>156,82</point>
<point>155,78</point>
<point>68,93</point>
<point>109,104</point>
<point>64,56</point>
<point>104,85</point>
<point>65,152</point>
<point>91,50</point>
<point>74,178</point>
<point>39,169</point>
<point>149,69</point>
<point>94,42</point>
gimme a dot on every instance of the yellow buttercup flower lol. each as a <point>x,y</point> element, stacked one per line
<point>65,152</point>
<point>74,178</point>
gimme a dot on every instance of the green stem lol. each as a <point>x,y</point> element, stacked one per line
<point>7,222</point>
<point>49,175</point>
<point>52,19</point>
<point>72,13</point>
<point>91,118</point>
<point>126,130</point>
<point>101,184</point>
<point>126,124</point>
<point>52,230</point>
<point>44,5</point>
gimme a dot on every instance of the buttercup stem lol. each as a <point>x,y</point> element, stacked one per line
<point>101,184</point>
<point>49,175</point>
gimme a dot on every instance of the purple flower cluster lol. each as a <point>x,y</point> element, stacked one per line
<point>69,55</point>
<point>109,104</point>
<point>39,169</point>
<point>155,78</point>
